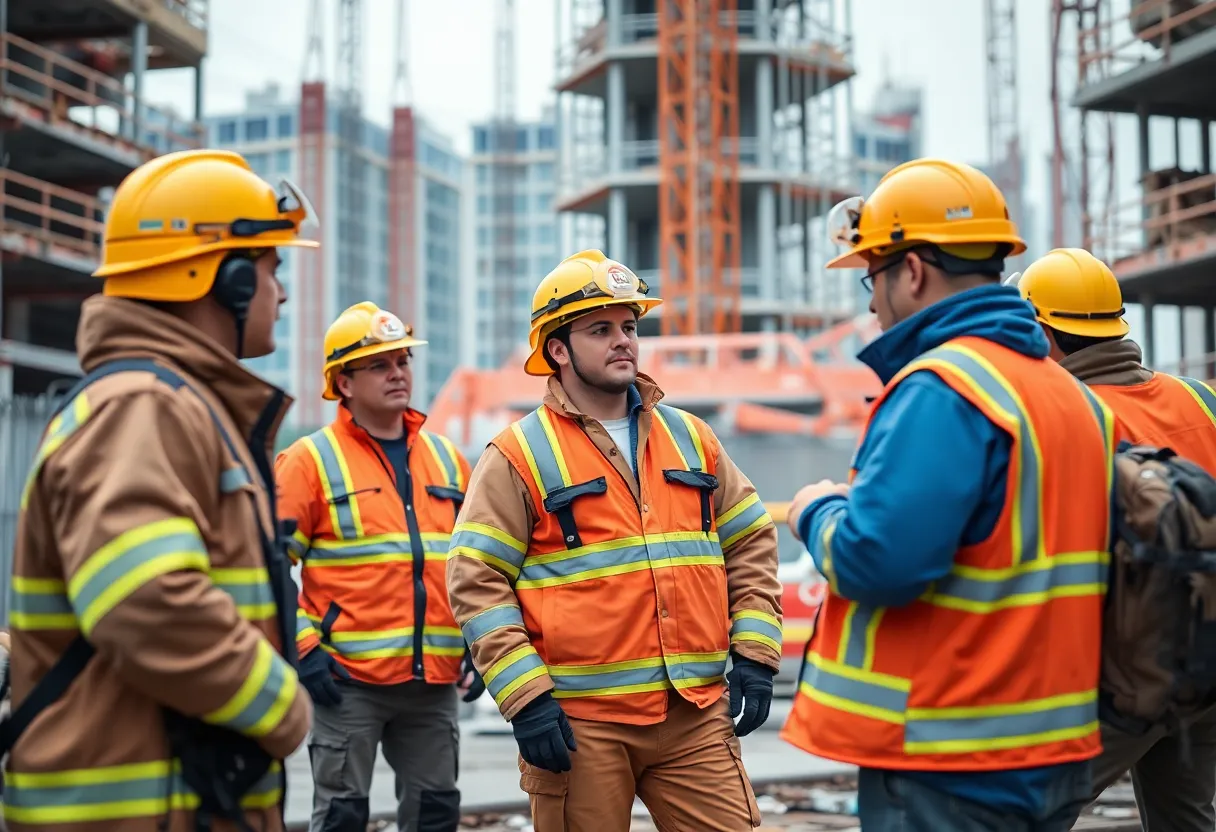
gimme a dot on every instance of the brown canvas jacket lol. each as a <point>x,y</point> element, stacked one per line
<point>497,497</point>
<point>1109,362</point>
<point>139,530</point>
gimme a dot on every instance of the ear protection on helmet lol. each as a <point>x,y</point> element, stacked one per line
<point>236,282</point>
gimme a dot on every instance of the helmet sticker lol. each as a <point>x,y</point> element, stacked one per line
<point>386,326</point>
<point>962,212</point>
<point>620,282</point>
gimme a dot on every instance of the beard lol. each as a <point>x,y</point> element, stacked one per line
<point>600,381</point>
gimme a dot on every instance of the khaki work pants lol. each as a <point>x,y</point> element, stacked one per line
<point>417,725</point>
<point>1173,795</point>
<point>687,770</point>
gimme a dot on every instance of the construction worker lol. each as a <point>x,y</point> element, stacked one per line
<point>1077,301</point>
<point>608,557</point>
<point>956,656</point>
<point>375,497</point>
<point>147,558</point>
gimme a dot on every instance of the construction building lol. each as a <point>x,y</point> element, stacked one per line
<point>526,224</point>
<point>72,128</point>
<point>355,242</point>
<point>1153,60</point>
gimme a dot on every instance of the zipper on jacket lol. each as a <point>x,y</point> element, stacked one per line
<point>411,522</point>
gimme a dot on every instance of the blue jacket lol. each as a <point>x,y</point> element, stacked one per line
<point>930,479</point>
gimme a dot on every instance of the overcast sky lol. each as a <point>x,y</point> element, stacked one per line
<point>937,44</point>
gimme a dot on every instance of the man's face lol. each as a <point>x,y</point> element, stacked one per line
<point>380,382</point>
<point>264,308</point>
<point>603,349</point>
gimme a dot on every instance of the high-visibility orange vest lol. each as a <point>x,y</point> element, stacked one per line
<point>1167,412</point>
<point>623,602</point>
<point>996,666</point>
<point>374,567</point>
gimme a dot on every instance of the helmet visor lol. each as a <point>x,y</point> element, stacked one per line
<point>842,222</point>
<point>614,283</point>
<point>295,205</point>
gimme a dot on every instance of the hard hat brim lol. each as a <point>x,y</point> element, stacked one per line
<point>1101,328</point>
<point>536,365</point>
<point>855,259</point>
<point>333,367</point>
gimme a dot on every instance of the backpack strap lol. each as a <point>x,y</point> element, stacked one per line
<point>78,654</point>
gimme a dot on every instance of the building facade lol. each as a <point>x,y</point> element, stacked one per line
<point>355,239</point>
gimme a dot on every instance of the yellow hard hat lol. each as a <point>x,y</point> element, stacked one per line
<point>1075,292</point>
<point>580,284</point>
<point>947,204</point>
<point>362,330</point>
<point>175,218</point>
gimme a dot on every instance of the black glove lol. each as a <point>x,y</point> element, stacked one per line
<point>478,686</point>
<point>754,682</point>
<point>317,672</point>
<point>544,734</point>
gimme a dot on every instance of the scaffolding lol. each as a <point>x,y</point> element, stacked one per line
<point>1004,128</point>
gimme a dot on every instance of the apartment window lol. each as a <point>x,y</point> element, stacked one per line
<point>545,235</point>
<point>259,162</point>
<point>542,172</point>
<point>521,204</point>
<point>282,161</point>
<point>521,139</point>
<point>544,203</point>
<point>483,236</point>
<point>287,126</point>
<point>481,140</point>
<point>227,132</point>
<point>483,204</point>
<point>257,129</point>
<point>546,138</point>
<point>860,146</point>
<point>483,174</point>
<point>521,236</point>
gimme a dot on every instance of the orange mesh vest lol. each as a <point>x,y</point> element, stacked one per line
<point>374,580</point>
<point>996,666</point>
<point>623,602</point>
<point>1167,412</point>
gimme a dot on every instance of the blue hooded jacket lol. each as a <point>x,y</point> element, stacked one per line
<point>930,479</point>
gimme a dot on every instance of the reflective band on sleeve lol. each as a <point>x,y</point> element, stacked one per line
<point>115,793</point>
<point>982,591</point>
<point>741,519</point>
<point>754,625</point>
<point>445,457</point>
<point>233,479</point>
<point>336,483</point>
<point>489,545</point>
<point>539,443</point>
<point>617,557</point>
<point>683,433</point>
<point>513,671</point>
<point>305,626</point>
<point>263,699</point>
<point>297,545</point>
<point>985,382</point>
<point>131,560</point>
<point>1202,394</point>
<point>491,619</point>
<point>41,604</point>
<point>58,431</point>
<point>250,590</point>
<point>969,730</point>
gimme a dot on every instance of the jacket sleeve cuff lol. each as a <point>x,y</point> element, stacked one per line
<point>756,635</point>
<point>307,637</point>
<point>515,702</point>
<point>757,653</point>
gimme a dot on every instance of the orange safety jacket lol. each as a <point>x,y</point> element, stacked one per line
<point>622,602</point>
<point>996,666</point>
<point>1167,412</point>
<point>373,578</point>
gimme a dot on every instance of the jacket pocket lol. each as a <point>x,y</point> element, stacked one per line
<point>546,792</point>
<point>736,754</point>
<point>328,758</point>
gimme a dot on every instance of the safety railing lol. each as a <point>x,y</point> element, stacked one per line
<point>1122,34</point>
<point>53,215</point>
<point>1175,219</point>
<point>70,91</point>
<point>193,12</point>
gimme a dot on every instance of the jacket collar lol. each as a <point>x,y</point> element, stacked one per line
<point>345,424</point>
<point>643,395</point>
<point>1110,362</point>
<point>112,328</point>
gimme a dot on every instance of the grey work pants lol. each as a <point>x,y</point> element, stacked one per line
<point>417,725</point>
<point>1173,795</point>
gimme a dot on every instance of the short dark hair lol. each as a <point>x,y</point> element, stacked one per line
<point>1070,343</point>
<point>562,333</point>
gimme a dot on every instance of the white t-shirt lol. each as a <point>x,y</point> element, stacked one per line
<point>618,429</point>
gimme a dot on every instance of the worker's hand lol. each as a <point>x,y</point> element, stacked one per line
<point>807,495</point>
<point>470,680</point>
<point>317,672</point>
<point>751,682</point>
<point>544,735</point>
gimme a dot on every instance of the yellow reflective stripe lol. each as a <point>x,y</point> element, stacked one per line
<point>513,671</point>
<point>742,519</point>
<point>972,729</point>
<point>1032,583</point>
<point>684,437</point>
<point>250,590</point>
<point>131,560</point>
<point>262,700</point>
<point>849,689</point>
<point>1201,393</point>
<point>445,456</point>
<point>758,626</point>
<point>391,547</point>
<point>490,546</point>
<point>333,470</point>
<point>454,454</point>
<point>829,569</point>
<point>618,557</point>
<point>546,424</point>
<point>58,431</point>
<point>41,604</point>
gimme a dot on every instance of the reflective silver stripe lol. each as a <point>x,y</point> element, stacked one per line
<point>40,598</point>
<point>862,615</point>
<point>1023,586</point>
<point>642,674</point>
<point>543,454</point>
<point>442,641</point>
<point>342,501</point>
<point>487,621</point>
<point>524,663</point>
<point>467,538</point>
<point>397,544</point>
<point>568,682</point>
<point>846,686</point>
<point>352,645</point>
<point>755,625</point>
<point>1203,392</point>
<point>618,554</point>
<point>981,732</point>
<point>297,547</point>
<point>304,624</point>
<point>1026,509</point>
<point>233,479</point>
<point>680,432</point>
<point>729,530</point>
<point>450,471</point>
<point>699,671</point>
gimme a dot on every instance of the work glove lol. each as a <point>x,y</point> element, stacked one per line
<point>753,682</point>
<point>477,686</point>
<point>544,734</point>
<point>317,672</point>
